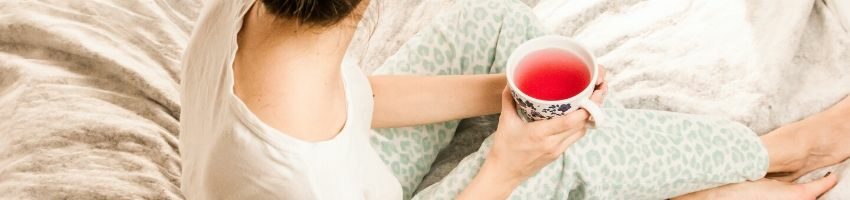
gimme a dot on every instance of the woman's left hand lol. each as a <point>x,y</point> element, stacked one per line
<point>601,89</point>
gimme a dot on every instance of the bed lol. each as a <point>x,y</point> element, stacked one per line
<point>89,89</point>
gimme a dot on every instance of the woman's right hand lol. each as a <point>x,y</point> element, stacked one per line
<point>520,149</point>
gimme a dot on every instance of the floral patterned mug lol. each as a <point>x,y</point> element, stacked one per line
<point>533,109</point>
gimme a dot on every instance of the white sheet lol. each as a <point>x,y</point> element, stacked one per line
<point>764,63</point>
<point>89,98</point>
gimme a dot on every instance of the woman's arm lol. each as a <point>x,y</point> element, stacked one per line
<point>406,100</point>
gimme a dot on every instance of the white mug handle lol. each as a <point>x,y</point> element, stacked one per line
<point>594,110</point>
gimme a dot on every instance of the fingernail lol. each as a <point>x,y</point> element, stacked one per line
<point>827,174</point>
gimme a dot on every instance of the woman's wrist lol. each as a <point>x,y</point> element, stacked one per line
<point>491,182</point>
<point>497,171</point>
<point>497,84</point>
<point>491,87</point>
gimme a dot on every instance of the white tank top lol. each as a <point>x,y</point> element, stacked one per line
<point>228,153</point>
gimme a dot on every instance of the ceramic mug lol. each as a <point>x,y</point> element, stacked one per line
<point>533,109</point>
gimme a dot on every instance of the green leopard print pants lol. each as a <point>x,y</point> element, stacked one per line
<point>640,154</point>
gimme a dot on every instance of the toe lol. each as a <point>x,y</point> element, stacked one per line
<point>816,188</point>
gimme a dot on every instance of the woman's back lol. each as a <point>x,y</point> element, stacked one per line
<point>228,152</point>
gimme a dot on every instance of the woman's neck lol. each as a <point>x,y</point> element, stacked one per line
<point>268,41</point>
<point>289,74</point>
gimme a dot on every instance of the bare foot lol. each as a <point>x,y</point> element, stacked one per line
<point>765,189</point>
<point>824,137</point>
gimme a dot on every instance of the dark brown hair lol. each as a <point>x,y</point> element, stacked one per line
<point>312,12</point>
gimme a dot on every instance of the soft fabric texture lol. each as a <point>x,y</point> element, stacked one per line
<point>89,89</point>
<point>89,98</point>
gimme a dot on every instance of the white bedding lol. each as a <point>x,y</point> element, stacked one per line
<point>764,63</point>
<point>89,98</point>
<point>88,89</point>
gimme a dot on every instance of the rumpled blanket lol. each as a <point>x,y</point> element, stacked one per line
<point>89,98</point>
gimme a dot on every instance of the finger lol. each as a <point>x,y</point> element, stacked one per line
<point>820,186</point>
<point>572,120</point>
<point>598,95</point>
<point>508,107</point>
<point>570,140</point>
<point>577,118</point>
<point>601,75</point>
<point>601,87</point>
<point>550,127</point>
<point>556,139</point>
<point>556,144</point>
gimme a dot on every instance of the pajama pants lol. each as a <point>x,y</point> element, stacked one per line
<point>639,154</point>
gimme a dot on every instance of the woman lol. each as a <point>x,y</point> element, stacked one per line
<point>273,110</point>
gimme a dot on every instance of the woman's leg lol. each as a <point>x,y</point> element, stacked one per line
<point>471,37</point>
<point>814,142</point>
<point>766,189</point>
<point>797,149</point>
<point>641,155</point>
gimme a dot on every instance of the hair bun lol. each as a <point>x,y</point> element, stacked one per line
<point>314,12</point>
